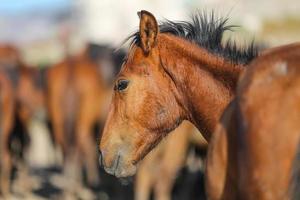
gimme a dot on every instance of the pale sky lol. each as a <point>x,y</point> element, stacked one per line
<point>16,7</point>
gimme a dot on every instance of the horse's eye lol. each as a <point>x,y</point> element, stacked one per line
<point>121,85</point>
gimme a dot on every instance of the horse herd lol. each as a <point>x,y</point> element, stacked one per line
<point>246,105</point>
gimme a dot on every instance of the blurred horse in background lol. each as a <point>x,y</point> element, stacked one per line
<point>28,98</point>
<point>75,96</point>
<point>159,169</point>
<point>7,109</point>
<point>254,153</point>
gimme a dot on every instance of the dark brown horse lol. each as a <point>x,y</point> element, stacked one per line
<point>254,153</point>
<point>173,71</point>
<point>75,95</point>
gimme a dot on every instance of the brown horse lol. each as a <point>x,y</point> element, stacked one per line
<point>12,76</point>
<point>26,101</point>
<point>7,108</point>
<point>75,94</point>
<point>159,168</point>
<point>252,153</point>
<point>173,72</point>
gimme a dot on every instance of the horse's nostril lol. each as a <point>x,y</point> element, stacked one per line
<point>101,159</point>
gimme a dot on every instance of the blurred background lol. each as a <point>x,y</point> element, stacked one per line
<point>38,25</point>
<point>41,38</point>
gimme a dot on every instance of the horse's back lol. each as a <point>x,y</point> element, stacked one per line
<point>83,72</point>
<point>268,123</point>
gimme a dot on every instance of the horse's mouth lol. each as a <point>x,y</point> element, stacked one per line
<point>116,165</point>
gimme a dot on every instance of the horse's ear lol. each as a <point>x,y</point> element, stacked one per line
<point>148,30</point>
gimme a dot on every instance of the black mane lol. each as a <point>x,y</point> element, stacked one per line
<point>207,31</point>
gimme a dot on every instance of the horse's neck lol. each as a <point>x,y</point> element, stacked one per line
<point>205,82</point>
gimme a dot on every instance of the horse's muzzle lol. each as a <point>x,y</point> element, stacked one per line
<point>117,167</point>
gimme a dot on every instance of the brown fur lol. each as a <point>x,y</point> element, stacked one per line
<point>254,148</point>
<point>159,168</point>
